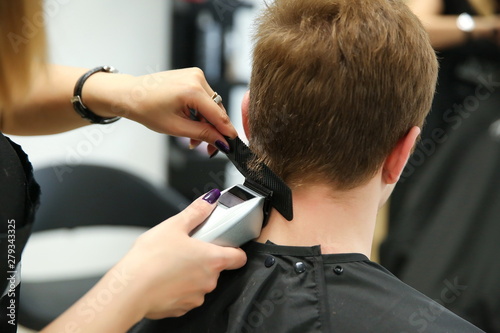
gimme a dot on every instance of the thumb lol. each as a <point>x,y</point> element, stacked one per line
<point>233,258</point>
<point>199,210</point>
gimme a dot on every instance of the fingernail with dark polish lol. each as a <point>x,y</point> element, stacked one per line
<point>222,146</point>
<point>212,196</point>
<point>214,154</point>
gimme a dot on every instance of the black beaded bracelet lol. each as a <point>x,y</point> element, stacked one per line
<point>78,105</point>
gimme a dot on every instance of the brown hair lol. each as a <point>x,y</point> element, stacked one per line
<point>22,43</point>
<point>335,84</point>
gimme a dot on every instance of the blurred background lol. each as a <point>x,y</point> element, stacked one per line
<point>104,185</point>
<point>444,219</point>
<point>439,235</point>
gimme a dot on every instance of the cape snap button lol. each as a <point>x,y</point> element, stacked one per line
<point>338,270</point>
<point>300,267</point>
<point>269,261</point>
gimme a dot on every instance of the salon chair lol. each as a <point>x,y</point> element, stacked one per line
<point>88,219</point>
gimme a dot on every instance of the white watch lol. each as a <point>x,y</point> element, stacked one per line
<point>465,22</point>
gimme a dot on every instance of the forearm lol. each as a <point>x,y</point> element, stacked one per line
<point>160,101</point>
<point>46,108</point>
<point>112,305</point>
<point>444,33</point>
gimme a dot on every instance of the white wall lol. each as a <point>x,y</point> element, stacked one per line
<point>131,35</point>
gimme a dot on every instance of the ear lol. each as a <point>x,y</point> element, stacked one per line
<point>245,104</point>
<point>397,159</point>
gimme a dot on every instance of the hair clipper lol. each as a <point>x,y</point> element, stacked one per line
<point>239,217</point>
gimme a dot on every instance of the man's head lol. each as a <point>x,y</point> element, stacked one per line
<point>336,84</point>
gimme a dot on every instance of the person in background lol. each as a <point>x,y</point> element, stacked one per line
<point>447,201</point>
<point>38,98</point>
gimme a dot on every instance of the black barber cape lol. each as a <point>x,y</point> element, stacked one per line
<point>296,289</point>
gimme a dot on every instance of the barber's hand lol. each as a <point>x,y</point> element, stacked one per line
<point>170,271</point>
<point>162,102</point>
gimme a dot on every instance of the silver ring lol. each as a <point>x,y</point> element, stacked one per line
<point>217,98</point>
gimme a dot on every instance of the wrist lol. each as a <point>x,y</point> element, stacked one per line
<point>467,24</point>
<point>105,94</point>
<point>128,292</point>
<point>135,285</point>
<point>485,28</point>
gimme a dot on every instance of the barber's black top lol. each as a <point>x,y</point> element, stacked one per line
<point>19,195</point>
<point>296,289</point>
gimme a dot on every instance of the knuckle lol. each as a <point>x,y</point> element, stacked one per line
<point>195,214</point>
<point>180,313</point>
<point>210,286</point>
<point>193,208</point>
<point>197,72</point>
<point>205,134</point>
<point>224,118</point>
<point>191,88</point>
<point>199,209</point>
<point>199,301</point>
<point>218,263</point>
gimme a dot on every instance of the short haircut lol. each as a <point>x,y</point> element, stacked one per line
<point>335,84</point>
<point>23,45</point>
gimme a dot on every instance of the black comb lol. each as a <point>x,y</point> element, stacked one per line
<point>264,180</point>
